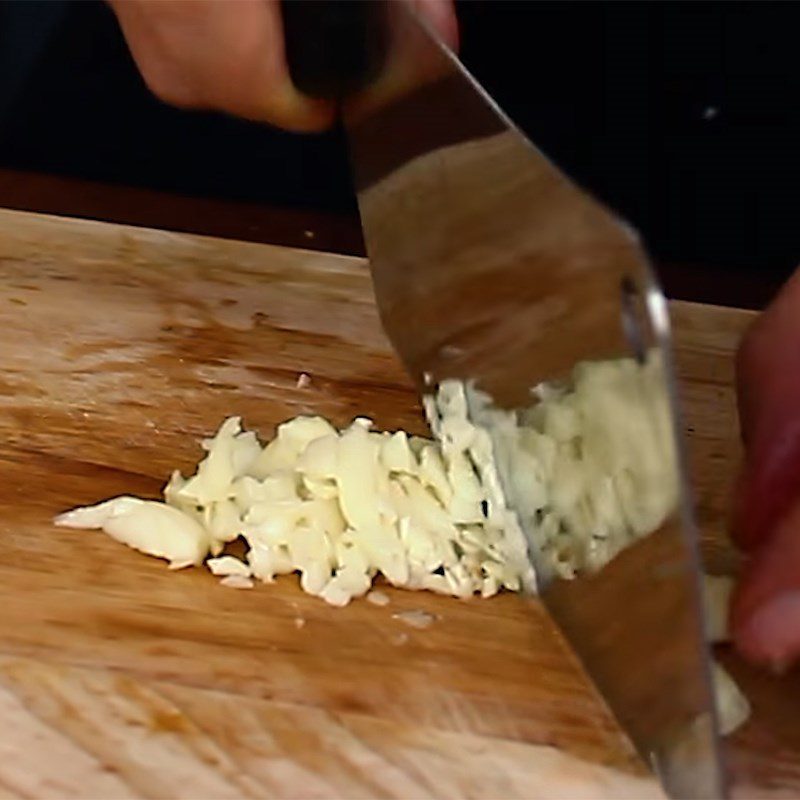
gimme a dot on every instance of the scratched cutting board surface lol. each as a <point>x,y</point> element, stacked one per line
<point>121,348</point>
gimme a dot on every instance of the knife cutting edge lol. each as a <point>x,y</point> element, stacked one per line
<point>491,267</point>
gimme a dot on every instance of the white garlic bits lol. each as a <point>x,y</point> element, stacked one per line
<point>151,527</point>
<point>337,507</point>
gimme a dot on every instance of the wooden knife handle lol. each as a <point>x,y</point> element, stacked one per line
<point>334,47</point>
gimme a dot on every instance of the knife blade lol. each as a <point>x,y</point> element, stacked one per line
<point>491,267</point>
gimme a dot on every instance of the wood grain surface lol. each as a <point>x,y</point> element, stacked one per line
<point>122,347</point>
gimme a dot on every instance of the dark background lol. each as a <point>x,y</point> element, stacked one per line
<point>685,116</point>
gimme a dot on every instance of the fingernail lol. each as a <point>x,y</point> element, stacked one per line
<point>771,634</point>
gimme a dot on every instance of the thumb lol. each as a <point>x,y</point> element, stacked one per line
<point>768,386</point>
<point>765,612</point>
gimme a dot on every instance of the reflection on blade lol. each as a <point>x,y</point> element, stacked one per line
<point>590,465</point>
<point>591,470</point>
<point>490,267</point>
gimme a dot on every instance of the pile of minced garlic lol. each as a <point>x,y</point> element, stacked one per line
<point>337,507</point>
<point>589,466</point>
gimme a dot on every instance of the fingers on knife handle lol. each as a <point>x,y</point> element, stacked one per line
<point>334,47</point>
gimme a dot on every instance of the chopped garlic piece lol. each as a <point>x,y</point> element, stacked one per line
<point>396,455</point>
<point>291,439</point>
<point>433,475</point>
<point>266,562</point>
<point>237,582</point>
<point>416,618</point>
<point>319,459</point>
<point>228,565</point>
<point>230,454</point>
<point>357,465</point>
<point>145,525</point>
<point>92,517</point>
<point>733,708</point>
<point>378,598</point>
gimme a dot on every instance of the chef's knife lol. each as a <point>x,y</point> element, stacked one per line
<point>492,267</point>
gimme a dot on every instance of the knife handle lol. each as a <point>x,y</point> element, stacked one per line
<point>333,47</point>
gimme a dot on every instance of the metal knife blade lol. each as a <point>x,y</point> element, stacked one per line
<point>490,266</point>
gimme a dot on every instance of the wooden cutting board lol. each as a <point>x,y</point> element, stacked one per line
<point>121,348</point>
